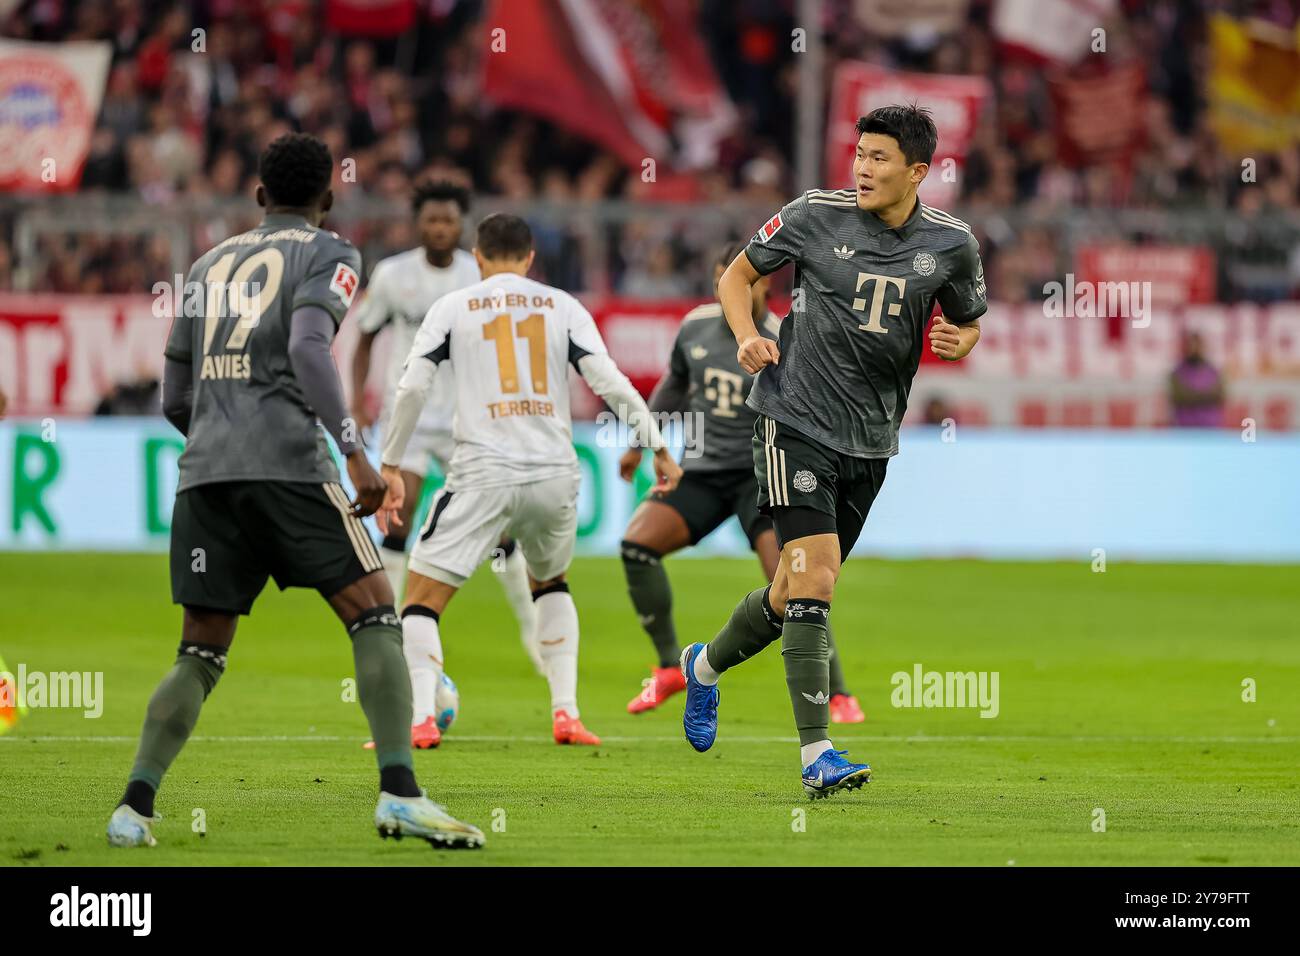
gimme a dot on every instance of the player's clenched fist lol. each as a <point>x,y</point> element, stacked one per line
<point>756,353</point>
<point>628,463</point>
<point>945,340</point>
<point>667,471</point>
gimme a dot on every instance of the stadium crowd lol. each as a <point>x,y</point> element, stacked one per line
<point>177,125</point>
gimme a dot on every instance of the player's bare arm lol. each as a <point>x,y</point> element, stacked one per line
<point>412,393</point>
<point>735,292</point>
<point>953,342</point>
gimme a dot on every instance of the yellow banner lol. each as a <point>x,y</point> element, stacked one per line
<point>1254,86</point>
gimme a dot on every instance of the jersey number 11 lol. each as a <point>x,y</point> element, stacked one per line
<point>532,329</point>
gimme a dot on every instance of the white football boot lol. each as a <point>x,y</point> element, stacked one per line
<point>128,828</point>
<point>420,817</point>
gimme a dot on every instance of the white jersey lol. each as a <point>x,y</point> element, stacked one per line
<point>509,342</point>
<point>400,292</point>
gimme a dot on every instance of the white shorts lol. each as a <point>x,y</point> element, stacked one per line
<point>464,527</point>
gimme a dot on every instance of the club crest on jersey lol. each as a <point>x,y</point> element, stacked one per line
<point>770,228</point>
<point>924,264</point>
<point>344,284</point>
<point>804,481</point>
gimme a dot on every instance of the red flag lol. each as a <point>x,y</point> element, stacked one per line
<point>632,77</point>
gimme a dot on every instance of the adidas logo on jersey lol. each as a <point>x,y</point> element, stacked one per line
<point>698,351</point>
<point>844,252</point>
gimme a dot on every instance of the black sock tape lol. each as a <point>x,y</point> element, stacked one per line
<point>380,614</point>
<point>633,552</point>
<point>418,610</point>
<point>216,656</point>
<point>807,610</point>
<point>551,589</point>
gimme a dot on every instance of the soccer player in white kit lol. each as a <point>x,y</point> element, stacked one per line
<point>400,292</point>
<point>508,342</point>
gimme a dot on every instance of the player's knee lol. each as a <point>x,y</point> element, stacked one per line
<point>816,582</point>
<point>555,585</point>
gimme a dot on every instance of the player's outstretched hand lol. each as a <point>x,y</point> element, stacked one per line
<point>370,487</point>
<point>666,470</point>
<point>389,514</point>
<point>945,342</point>
<point>756,353</point>
<point>628,463</point>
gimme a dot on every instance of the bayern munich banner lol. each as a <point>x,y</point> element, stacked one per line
<point>49,98</point>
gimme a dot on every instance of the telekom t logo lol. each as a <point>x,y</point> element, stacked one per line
<point>881,283</point>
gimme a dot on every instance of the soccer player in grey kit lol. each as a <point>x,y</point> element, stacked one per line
<point>249,380</point>
<point>704,379</point>
<point>870,264</point>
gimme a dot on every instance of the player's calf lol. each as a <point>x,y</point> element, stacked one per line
<point>652,597</point>
<point>557,640</point>
<point>392,553</point>
<point>422,645</point>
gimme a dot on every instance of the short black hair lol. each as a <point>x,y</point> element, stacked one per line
<point>439,190</point>
<point>503,236</point>
<point>912,126</point>
<point>295,169</point>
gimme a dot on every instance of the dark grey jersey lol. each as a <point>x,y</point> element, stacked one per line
<point>250,419</point>
<point>863,296</point>
<point>705,380</point>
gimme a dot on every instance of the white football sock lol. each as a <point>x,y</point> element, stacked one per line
<point>557,639</point>
<point>514,580</point>
<point>395,568</point>
<point>810,752</point>
<point>703,672</point>
<point>422,645</point>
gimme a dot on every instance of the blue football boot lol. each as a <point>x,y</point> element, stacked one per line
<point>831,772</point>
<point>700,718</point>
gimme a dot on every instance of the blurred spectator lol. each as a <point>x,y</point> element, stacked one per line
<point>656,278</point>
<point>1196,388</point>
<point>139,397</point>
<point>938,411</point>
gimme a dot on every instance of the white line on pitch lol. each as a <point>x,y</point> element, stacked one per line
<point>492,738</point>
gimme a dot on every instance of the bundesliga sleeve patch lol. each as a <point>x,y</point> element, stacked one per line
<point>344,284</point>
<point>770,228</point>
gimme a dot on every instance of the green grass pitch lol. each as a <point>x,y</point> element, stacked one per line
<point>1119,690</point>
